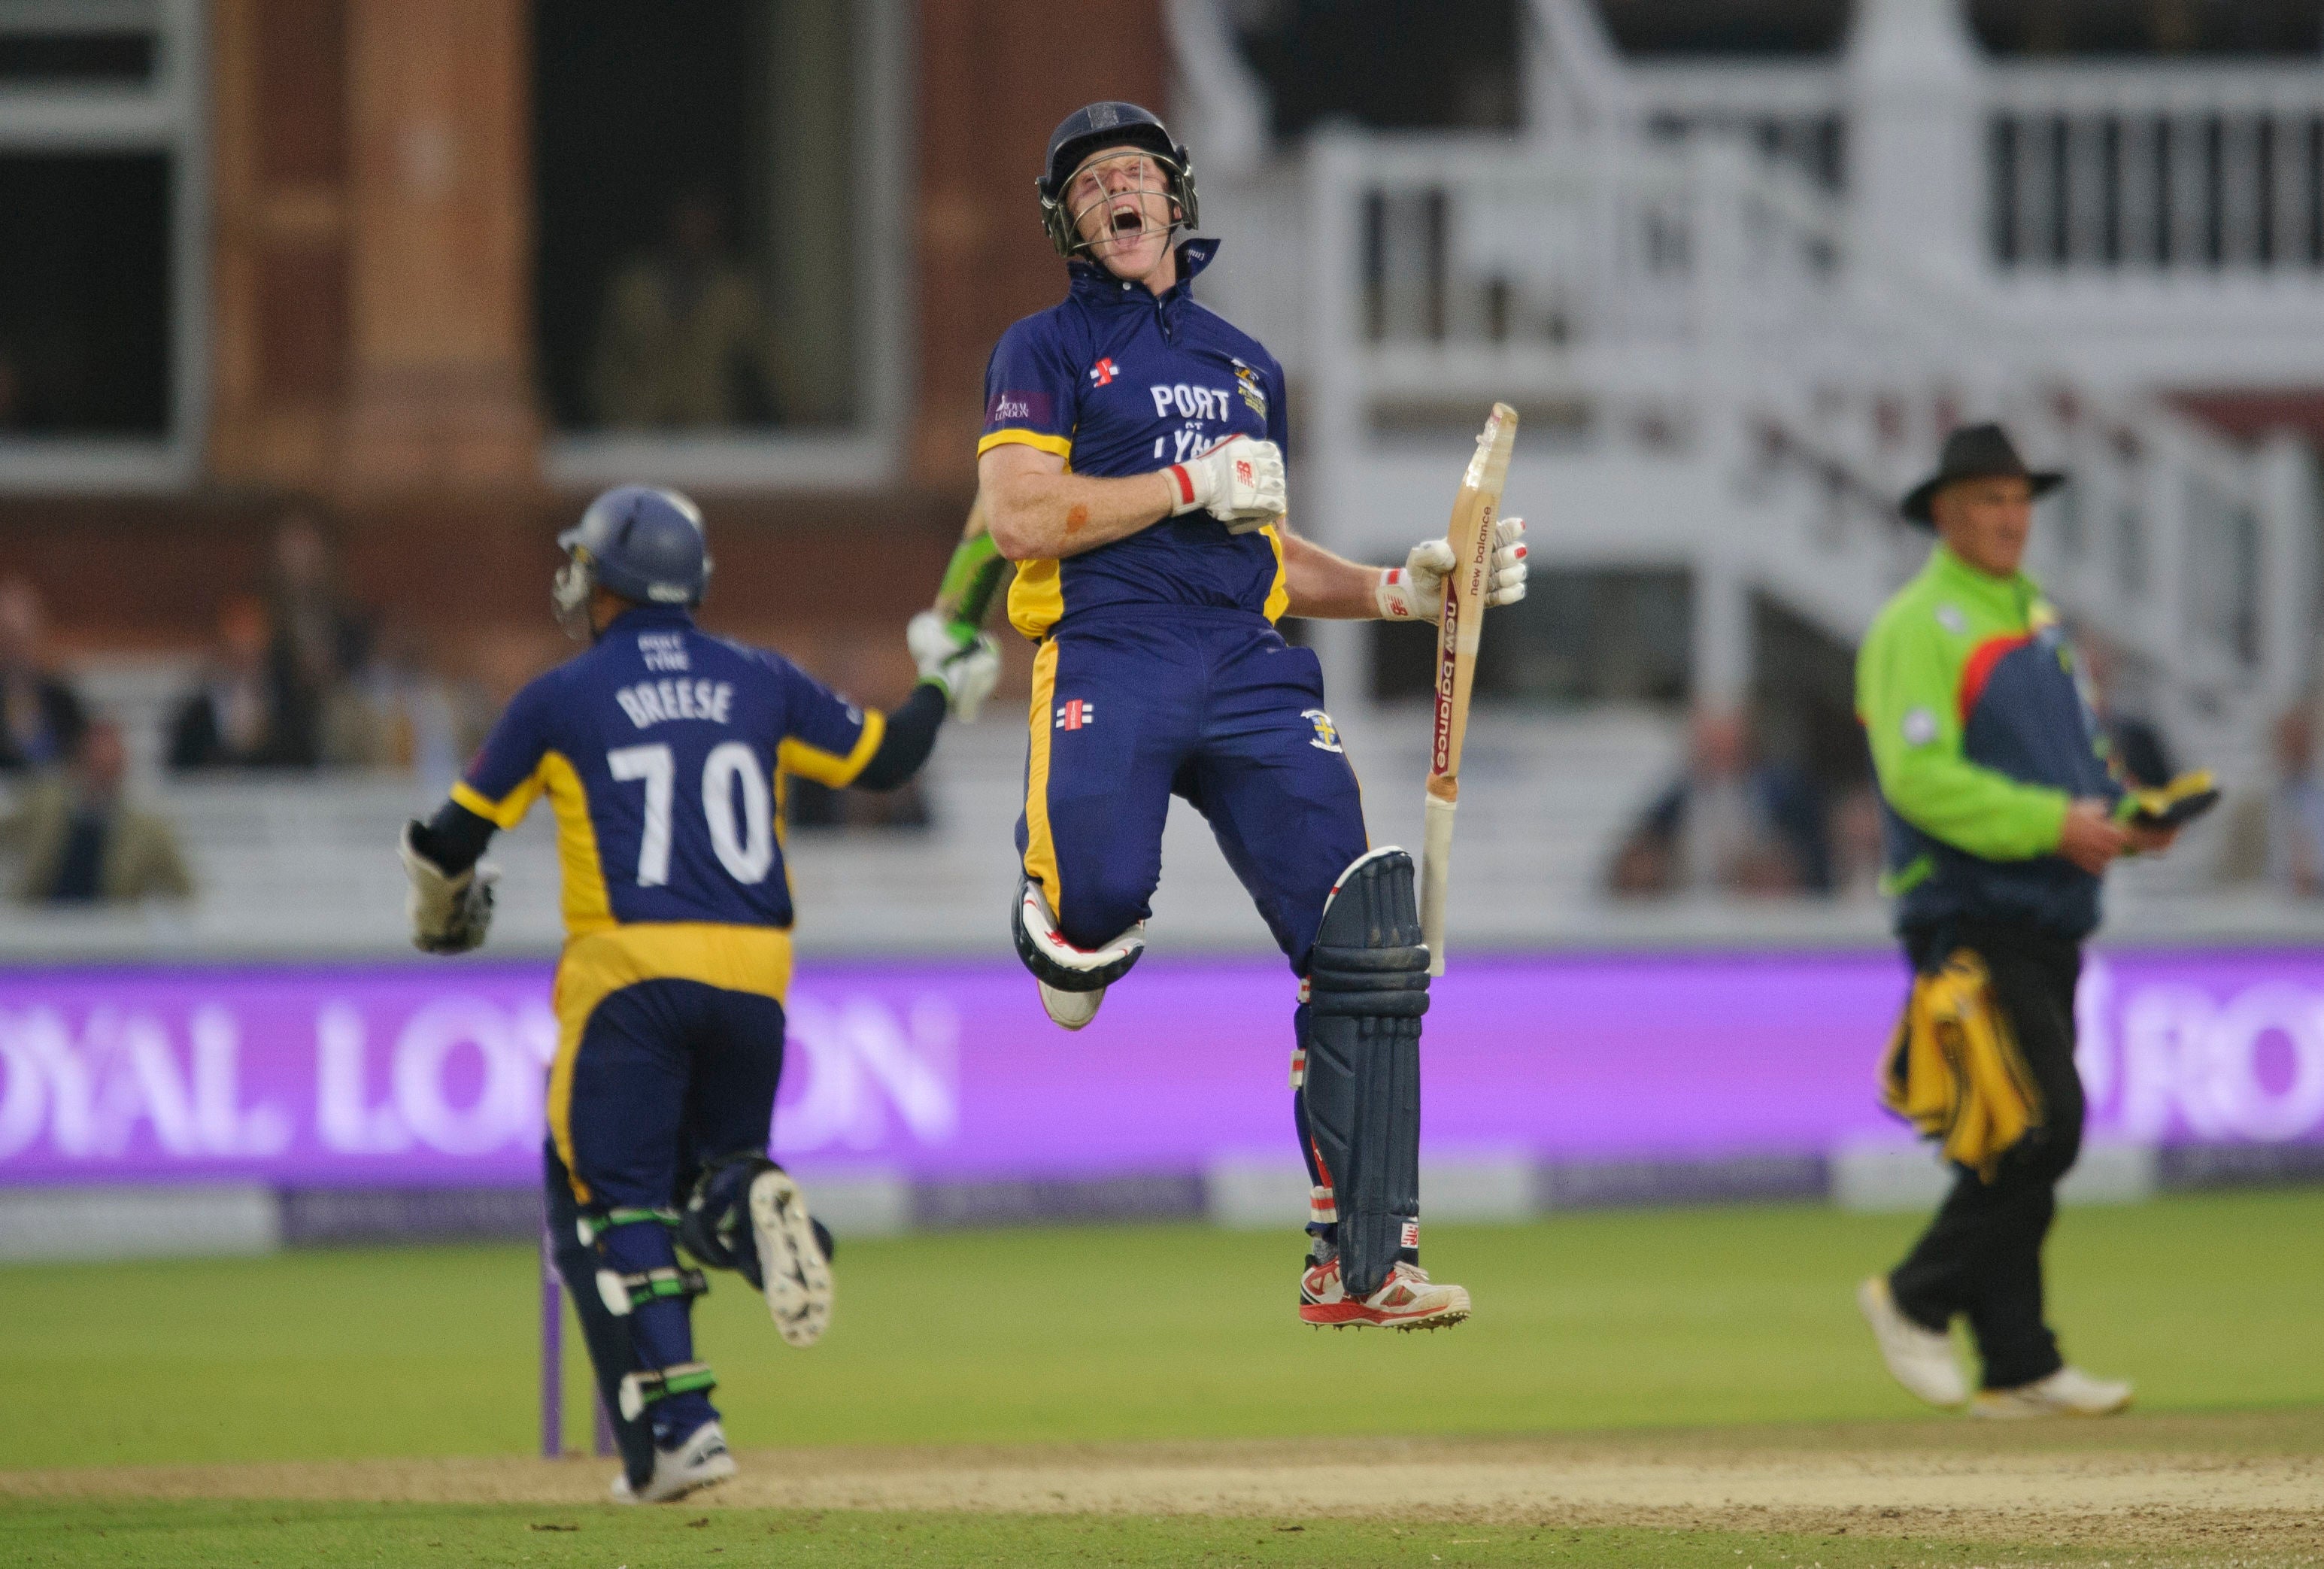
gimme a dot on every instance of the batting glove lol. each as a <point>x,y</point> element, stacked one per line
<point>966,665</point>
<point>1239,482</point>
<point>1416,590</point>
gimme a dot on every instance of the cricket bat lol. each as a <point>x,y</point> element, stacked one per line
<point>1474,514</point>
<point>973,575</point>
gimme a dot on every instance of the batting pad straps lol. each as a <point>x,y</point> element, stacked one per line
<point>592,1227</point>
<point>623,1293</point>
<point>641,1390</point>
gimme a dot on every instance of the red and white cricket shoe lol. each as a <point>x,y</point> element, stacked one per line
<point>1406,1299</point>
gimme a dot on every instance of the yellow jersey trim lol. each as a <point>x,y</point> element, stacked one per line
<point>505,813</point>
<point>734,958</point>
<point>588,908</point>
<point>1062,446</point>
<point>1040,849</point>
<point>1279,593</point>
<point>793,755</point>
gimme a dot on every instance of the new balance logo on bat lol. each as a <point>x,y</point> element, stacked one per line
<point>1076,713</point>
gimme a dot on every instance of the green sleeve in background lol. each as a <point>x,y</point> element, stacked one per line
<point>1907,685</point>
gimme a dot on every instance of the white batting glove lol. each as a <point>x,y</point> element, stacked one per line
<point>1239,482</point>
<point>1416,590</point>
<point>966,671</point>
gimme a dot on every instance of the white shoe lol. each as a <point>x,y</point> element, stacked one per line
<point>795,1274</point>
<point>1919,1357</point>
<point>699,1462</point>
<point>1070,1008</point>
<point>2068,1392</point>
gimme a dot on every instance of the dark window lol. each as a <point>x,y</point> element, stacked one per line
<point>2149,27</point>
<point>85,341</point>
<point>1393,64</point>
<point>695,196</point>
<point>1653,27</point>
<point>77,57</point>
<point>1615,635</point>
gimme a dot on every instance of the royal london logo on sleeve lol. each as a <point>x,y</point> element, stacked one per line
<point>1018,409</point>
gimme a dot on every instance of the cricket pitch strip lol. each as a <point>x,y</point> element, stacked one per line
<point>2194,1482</point>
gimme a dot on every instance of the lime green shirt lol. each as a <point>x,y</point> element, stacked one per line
<point>1918,678</point>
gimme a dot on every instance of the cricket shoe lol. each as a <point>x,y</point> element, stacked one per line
<point>699,1463</point>
<point>1070,1008</point>
<point>2068,1392</point>
<point>1406,1299</point>
<point>1918,1357</point>
<point>793,1264</point>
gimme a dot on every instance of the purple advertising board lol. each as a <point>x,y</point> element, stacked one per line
<point>414,1076</point>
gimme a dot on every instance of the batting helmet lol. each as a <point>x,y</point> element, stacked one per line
<point>644,544</point>
<point>1093,129</point>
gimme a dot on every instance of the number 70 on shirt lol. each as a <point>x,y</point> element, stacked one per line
<point>743,842</point>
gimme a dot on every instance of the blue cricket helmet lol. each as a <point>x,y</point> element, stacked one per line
<point>1091,129</point>
<point>644,544</point>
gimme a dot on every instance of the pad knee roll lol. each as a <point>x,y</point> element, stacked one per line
<point>1367,990</point>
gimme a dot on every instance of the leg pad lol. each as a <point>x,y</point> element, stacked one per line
<point>1368,987</point>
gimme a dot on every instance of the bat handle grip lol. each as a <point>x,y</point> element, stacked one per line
<point>1435,878</point>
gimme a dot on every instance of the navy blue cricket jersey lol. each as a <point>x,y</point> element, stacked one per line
<point>663,752</point>
<point>1118,382</point>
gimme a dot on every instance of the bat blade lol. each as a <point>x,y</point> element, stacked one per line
<point>1475,512</point>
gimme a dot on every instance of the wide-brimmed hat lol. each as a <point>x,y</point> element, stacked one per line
<point>1975,452</point>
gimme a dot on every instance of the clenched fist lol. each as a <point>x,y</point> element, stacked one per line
<point>1239,482</point>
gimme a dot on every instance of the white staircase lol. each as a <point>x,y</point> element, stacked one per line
<point>1725,366</point>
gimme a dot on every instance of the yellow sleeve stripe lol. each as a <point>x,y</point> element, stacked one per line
<point>828,768</point>
<point>505,813</point>
<point>1062,446</point>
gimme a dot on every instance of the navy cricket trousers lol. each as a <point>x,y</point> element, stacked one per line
<point>668,1075</point>
<point>1132,707</point>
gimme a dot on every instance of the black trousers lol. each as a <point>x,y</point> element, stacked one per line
<point>1982,1253</point>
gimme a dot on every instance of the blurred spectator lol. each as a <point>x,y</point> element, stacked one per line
<point>683,339</point>
<point>2296,812</point>
<point>321,636</point>
<point>41,716</point>
<point>81,843</point>
<point>1727,822</point>
<point>249,710</point>
<point>1858,843</point>
<point>2139,748</point>
<point>405,716</point>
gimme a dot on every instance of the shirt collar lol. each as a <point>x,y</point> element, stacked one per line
<point>644,616</point>
<point>2005,595</point>
<point>1093,284</point>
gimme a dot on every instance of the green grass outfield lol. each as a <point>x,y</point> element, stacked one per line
<point>1616,1319</point>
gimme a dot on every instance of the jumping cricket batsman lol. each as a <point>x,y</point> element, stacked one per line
<point>2003,812</point>
<point>1132,465</point>
<point>663,750</point>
